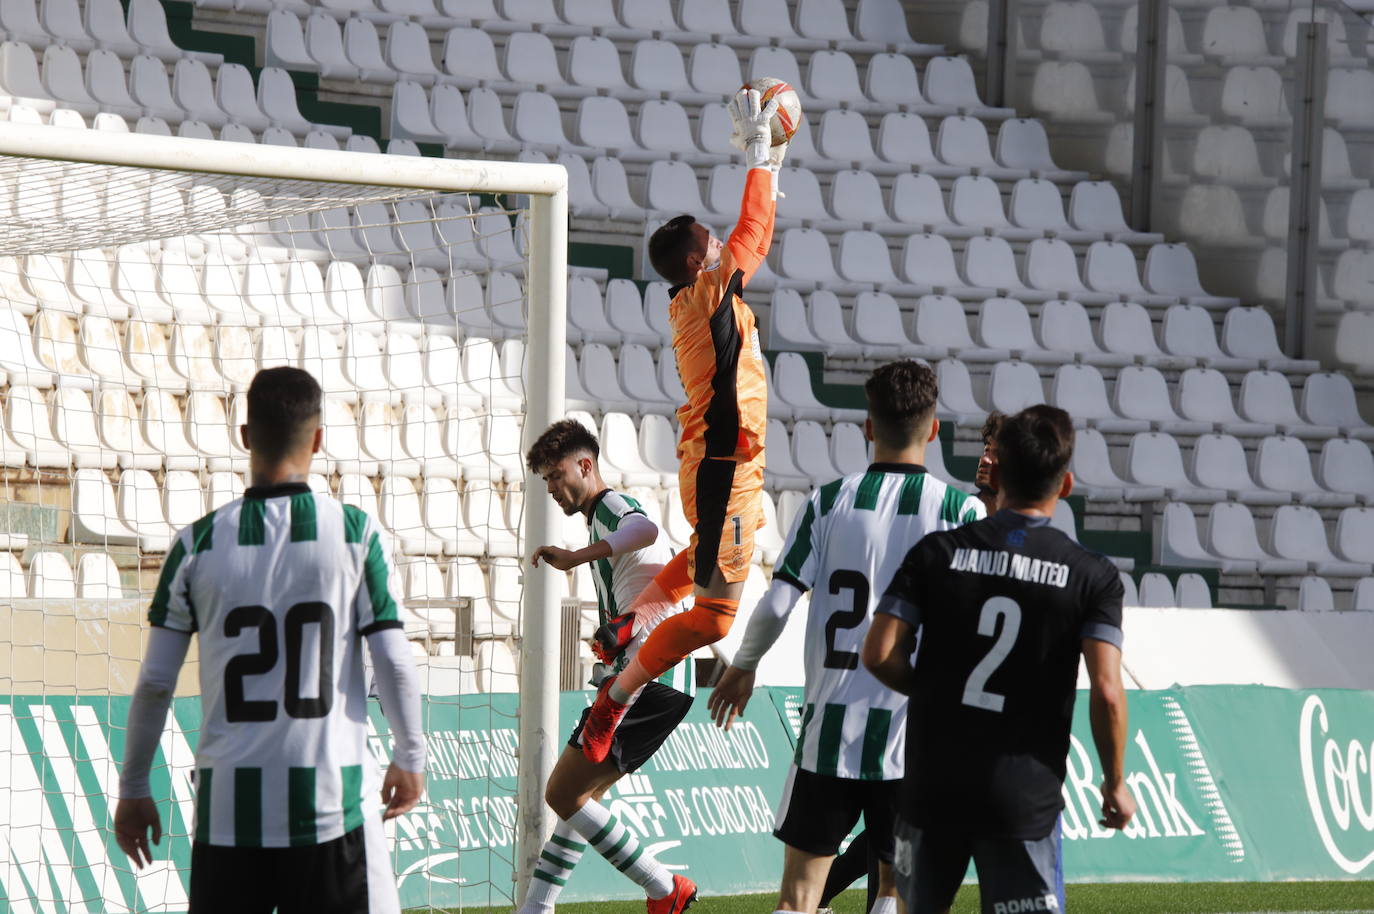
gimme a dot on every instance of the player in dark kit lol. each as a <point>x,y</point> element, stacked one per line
<point>1004,607</point>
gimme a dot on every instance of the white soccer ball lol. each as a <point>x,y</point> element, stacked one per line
<point>789,113</point>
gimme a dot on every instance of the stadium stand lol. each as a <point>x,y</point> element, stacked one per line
<point>918,221</point>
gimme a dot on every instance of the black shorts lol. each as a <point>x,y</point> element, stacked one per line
<point>350,875</point>
<point>818,811</point>
<point>655,714</point>
<point>1013,874</point>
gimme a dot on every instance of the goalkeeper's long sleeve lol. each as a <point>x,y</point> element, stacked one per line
<point>753,233</point>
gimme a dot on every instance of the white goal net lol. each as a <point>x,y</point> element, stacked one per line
<point>136,304</point>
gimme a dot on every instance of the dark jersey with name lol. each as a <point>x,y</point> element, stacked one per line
<point>1003,605</point>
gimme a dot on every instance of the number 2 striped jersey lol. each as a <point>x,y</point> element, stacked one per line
<point>848,541</point>
<point>280,587</point>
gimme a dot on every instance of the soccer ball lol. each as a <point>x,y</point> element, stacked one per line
<point>788,117</point>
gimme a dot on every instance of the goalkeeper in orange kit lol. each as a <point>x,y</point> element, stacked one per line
<point>720,452</point>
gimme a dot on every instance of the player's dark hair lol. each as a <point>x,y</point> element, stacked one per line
<point>669,246</point>
<point>991,425</point>
<point>1034,448</point>
<point>901,401</point>
<point>562,439</point>
<point>283,410</point>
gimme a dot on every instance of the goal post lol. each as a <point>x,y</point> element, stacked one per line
<point>543,189</point>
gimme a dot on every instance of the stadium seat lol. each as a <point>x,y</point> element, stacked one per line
<point>1126,328</point>
<point>1219,462</point>
<point>956,402</point>
<point>1171,272</point>
<point>97,578</point>
<point>904,144</point>
<point>1189,332</point>
<point>803,202</point>
<point>828,324</point>
<point>811,452</point>
<point>962,142</point>
<point>1036,208</point>
<point>918,201</point>
<point>1141,392</point>
<point>50,577</point>
<point>1297,532</point>
<point>792,376</point>
<point>1064,520</point>
<point>1192,591</point>
<point>1110,267</point>
<point>975,201</point>
<point>1023,145</point>
<point>1063,91</point>
<point>1348,98</point>
<point>928,262</point>
<point>147,26</point>
<point>1093,475</point>
<point>1179,544</point>
<point>363,48</point>
<point>1052,268</point>
<point>833,78</point>
<point>884,22</point>
<point>878,327</point>
<point>620,453</point>
<point>1346,466</point>
<point>1354,536</point>
<point>848,448</point>
<point>1154,459</point>
<point>1095,206</point>
<point>1314,595</point>
<point>864,257</point>
<point>141,508</point>
<point>1328,399</point>
<point>1266,396</point>
<point>844,138</point>
<point>1064,327</point>
<point>788,327</point>
<point>778,63</point>
<point>804,261</point>
<point>1081,391</point>
<point>950,81</point>
<point>1231,534</point>
<point>941,327</point>
<point>1004,323</point>
<point>1249,333</point>
<point>1156,590</point>
<point>1283,463</point>
<point>95,515</point>
<point>1014,386</point>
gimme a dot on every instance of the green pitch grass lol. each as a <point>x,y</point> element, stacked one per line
<point>1128,898</point>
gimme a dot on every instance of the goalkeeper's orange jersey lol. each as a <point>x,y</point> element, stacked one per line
<point>716,341</point>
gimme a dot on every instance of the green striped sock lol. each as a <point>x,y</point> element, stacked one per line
<point>560,854</point>
<point>617,842</point>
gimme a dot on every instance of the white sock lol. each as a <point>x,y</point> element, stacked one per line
<point>561,853</point>
<point>884,904</point>
<point>615,841</point>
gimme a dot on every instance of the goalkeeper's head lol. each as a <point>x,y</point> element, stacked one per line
<point>682,248</point>
<point>565,456</point>
<point>283,431</point>
<point>901,411</point>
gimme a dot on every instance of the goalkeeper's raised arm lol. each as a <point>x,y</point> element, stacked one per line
<point>720,472</point>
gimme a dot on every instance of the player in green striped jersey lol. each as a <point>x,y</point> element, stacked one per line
<point>281,586</point>
<point>626,550</point>
<point>850,536</point>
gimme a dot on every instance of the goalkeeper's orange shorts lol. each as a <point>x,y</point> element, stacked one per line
<point>722,501</point>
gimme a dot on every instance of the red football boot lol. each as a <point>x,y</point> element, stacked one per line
<point>611,639</point>
<point>678,900</point>
<point>601,722</point>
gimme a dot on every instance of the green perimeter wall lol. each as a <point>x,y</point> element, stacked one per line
<point>1240,783</point>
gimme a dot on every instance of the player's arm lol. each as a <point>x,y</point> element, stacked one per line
<point>398,687</point>
<point>753,233</point>
<point>736,685</point>
<point>887,650</point>
<point>376,607</point>
<point>136,813</point>
<point>634,532</point>
<point>891,639</point>
<point>1102,640</point>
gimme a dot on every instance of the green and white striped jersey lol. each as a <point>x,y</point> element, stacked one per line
<point>280,586</point>
<point>845,547</point>
<point>620,578</point>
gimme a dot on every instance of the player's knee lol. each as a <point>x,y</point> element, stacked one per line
<point>560,800</point>
<point>710,626</point>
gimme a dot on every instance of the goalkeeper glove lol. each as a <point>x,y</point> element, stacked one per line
<point>753,127</point>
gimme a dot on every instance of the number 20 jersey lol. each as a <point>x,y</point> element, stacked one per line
<point>846,544</point>
<point>280,586</point>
